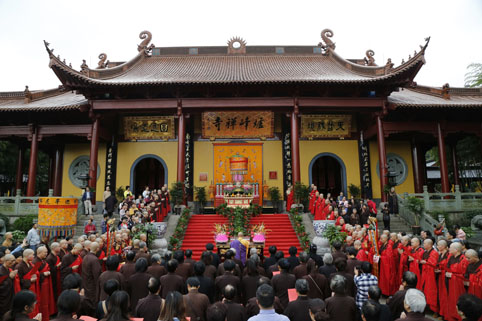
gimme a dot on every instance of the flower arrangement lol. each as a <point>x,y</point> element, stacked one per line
<point>259,233</point>
<point>228,189</point>
<point>220,233</point>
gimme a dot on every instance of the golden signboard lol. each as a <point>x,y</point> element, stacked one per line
<point>227,124</point>
<point>148,128</point>
<point>313,126</point>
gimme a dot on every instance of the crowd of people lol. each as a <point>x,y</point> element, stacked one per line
<point>110,275</point>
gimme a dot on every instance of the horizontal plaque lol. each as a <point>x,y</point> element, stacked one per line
<point>149,128</point>
<point>313,126</point>
<point>252,124</point>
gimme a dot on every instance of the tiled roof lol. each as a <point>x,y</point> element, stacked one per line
<point>235,69</point>
<point>429,97</point>
<point>58,101</point>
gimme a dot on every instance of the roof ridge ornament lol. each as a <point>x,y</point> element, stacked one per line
<point>369,60</point>
<point>236,45</point>
<point>102,62</point>
<point>84,69</point>
<point>143,46</point>
<point>326,34</point>
<point>446,91</point>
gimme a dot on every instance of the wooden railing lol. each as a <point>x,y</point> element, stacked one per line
<point>16,206</point>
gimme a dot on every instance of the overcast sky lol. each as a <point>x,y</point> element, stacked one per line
<point>83,29</point>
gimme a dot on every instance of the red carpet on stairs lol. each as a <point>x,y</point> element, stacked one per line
<point>200,227</point>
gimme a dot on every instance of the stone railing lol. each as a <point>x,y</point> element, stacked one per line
<point>426,221</point>
<point>17,206</point>
<point>449,202</point>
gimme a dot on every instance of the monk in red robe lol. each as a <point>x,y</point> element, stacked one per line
<point>91,270</point>
<point>54,261</point>
<point>319,205</point>
<point>403,249</point>
<point>71,262</point>
<point>7,277</point>
<point>385,265</point>
<point>414,258</point>
<point>429,264</point>
<point>454,279</point>
<point>326,210</point>
<point>473,273</point>
<point>363,251</point>
<point>46,300</point>
<point>394,244</point>
<point>312,199</point>
<point>440,274</point>
<point>29,277</point>
<point>289,198</point>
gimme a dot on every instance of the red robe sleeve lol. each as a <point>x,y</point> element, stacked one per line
<point>475,282</point>
<point>429,283</point>
<point>385,267</point>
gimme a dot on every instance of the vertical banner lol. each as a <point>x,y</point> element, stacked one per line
<point>365,176</point>
<point>189,165</point>
<point>287,165</point>
<point>111,165</point>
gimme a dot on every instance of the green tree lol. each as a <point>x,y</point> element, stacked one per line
<point>473,78</point>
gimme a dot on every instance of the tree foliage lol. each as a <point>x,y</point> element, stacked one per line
<point>473,78</point>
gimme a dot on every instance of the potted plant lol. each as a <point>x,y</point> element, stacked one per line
<point>302,194</point>
<point>177,196</point>
<point>275,196</point>
<point>354,190</point>
<point>417,207</point>
<point>201,197</point>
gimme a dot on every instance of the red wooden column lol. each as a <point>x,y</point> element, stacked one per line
<point>382,155</point>
<point>59,155</point>
<point>417,167</point>
<point>32,165</point>
<point>444,175</point>
<point>94,150</point>
<point>295,144</point>
<point>453,149</point>
<point>19,178</point>
<point>181,148</point>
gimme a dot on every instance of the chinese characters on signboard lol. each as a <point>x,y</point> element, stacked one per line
<point>287,160</point>
<point>111,165</point>
<point>148,128</point>
<point>238,124</point>
<point>366,180</point>
<point>313,126</point>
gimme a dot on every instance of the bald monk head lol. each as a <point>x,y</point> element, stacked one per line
<point>455,249</point>
<point>42,252</point>
<point>427,244</point>
<point>442,245</point>
<point>77,248</point>
<point>64,244</point>
<point>415,242</point>
<point>471,256</point>
<point>405,240</point>
<point>94,247</point>
<point>383,238</point>
<point>55,248</point>
<point>28,255</point>
<point>240,234</point>
<point>87,244</point>
<point>8,261</point>
<point>394,237</point>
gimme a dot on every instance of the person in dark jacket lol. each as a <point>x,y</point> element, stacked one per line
<point>414,303</point>
<point>328,268</point>
<point>374,294</point>
<point>395,303</point>
<point>340,307</point>
<point>171,281</point>
<point>196,303</point>
<point>137,284</point>
<point>298,310</point>
<point>109,287</point>
<point>206,284</point>
<point>110,205</point>
<point>370,311</point>
<point>149,307</point>
<point>294,261</point>
<point>469,307</point>
<point>283,281</point>
<point>271,260</point>
<point>23,304</point>
<point>227,278</point>
<point>315,257</point>
<point>236,311</point>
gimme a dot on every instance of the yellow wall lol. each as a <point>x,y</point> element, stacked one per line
<point>71,152</point>
<point>272,161</point>
<point>128,152</point>
<point>401,148</point>
<point>347,150</point>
